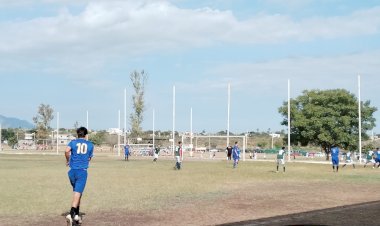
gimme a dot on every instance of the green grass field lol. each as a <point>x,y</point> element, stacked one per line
<point>31,185</point>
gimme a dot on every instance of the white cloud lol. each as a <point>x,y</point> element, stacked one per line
<point>79,45</point>
<point>304,73</point>
<point>146,26</point>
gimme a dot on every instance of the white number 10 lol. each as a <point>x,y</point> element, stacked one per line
<point>81,148</point>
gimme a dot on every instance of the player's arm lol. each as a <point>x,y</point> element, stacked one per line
<point>67,155</point>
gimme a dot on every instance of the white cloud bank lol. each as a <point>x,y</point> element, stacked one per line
<point>138,27</point>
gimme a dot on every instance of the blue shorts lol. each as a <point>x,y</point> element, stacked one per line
<point>377,160</point>
<point>78,179</point>
<point>335,161</point>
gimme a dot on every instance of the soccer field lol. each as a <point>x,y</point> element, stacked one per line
<point>34,190</point>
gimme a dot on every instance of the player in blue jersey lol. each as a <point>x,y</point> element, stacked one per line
<point>236,154</point>
<point>126,152</point>
<point>377,158</point>
<point>78,155</point>
<point>335,157</point>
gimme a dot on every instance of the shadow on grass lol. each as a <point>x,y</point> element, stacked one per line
<point>357,214</point>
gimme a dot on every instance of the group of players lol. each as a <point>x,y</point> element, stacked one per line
<point>372,157</point>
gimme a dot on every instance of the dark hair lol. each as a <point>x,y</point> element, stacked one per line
<point>82,132</point>
<point>179,142</point>
<point>283,147</point>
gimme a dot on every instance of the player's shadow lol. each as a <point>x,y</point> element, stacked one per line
<point>359,214</point>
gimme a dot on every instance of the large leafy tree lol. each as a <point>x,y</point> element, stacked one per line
<point>43,119</point>
<point>327,117</point>
<point>138,80</point>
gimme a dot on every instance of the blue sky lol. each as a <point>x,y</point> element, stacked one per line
<point>77,56</point>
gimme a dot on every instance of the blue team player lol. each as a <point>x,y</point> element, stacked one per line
<point>78,156</point>
<point>236,154</point>
<point>335,157</point>
<point>126,152</point>
<point>377,158</point>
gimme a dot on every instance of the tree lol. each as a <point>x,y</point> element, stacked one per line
<point>97,138</point>
<point>10,136</point>
<point>42,120</point>
<point>327,117</point>
<point>138,81</point>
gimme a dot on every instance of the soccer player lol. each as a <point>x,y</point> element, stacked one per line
<point>349,160</point>
<point>335,157</point>
<point>369,158</point>
<point>126,152</point>
<point>78,156</point>
<point>281,159</point>
<point>236,154</point>
<point>156,153</point>
<point>229,152</point>
<point>178,156</point>
<point>377,158</point>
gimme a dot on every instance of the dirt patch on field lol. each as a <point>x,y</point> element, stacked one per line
<point>277,203</point>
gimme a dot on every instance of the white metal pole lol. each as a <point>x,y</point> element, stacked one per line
<point>360,121</point>
<point>118,134</point>
<point>87,121</point>
<point>272,140</point>
<point>173,131</point>
<point>191,128</point>
<point>125,116</point>
<point>153,129</point>
<point>244,146</point>
<point>57,130</point>
<point>191,132</point>
<point>1,144</point>
<point>288,120</point>
<point>228,114</point>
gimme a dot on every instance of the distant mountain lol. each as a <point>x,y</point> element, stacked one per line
<point>7,122</point>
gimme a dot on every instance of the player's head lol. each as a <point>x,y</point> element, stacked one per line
<point>236,143</point>
<point>179,142</point>
<point>283,148</point>
<point>82,132</point>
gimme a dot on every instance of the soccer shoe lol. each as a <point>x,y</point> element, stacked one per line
<point>69,220</point>
<point>78,219</point>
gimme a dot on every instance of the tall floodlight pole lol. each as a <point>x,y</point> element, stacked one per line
<point>57,130</point>
<point>288,120</point>
<point>1,147</point>
<point>153,129</point>
<point>173,119</point>
<point>191,128</point>
<point>118,134</point>
<point>360,121</point>
<point>228,114</point>
<point>87,121</point>
<point>125,116</point>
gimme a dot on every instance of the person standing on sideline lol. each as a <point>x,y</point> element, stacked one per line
<point>156,153</point>
<point>178,156</point>
<point>78,156</point>
<point>236,154</point>
<point>229,152</point>
<point>126,152</point>
<point>335,157</point>
<point>349,160</point>
<point>281,159</point>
